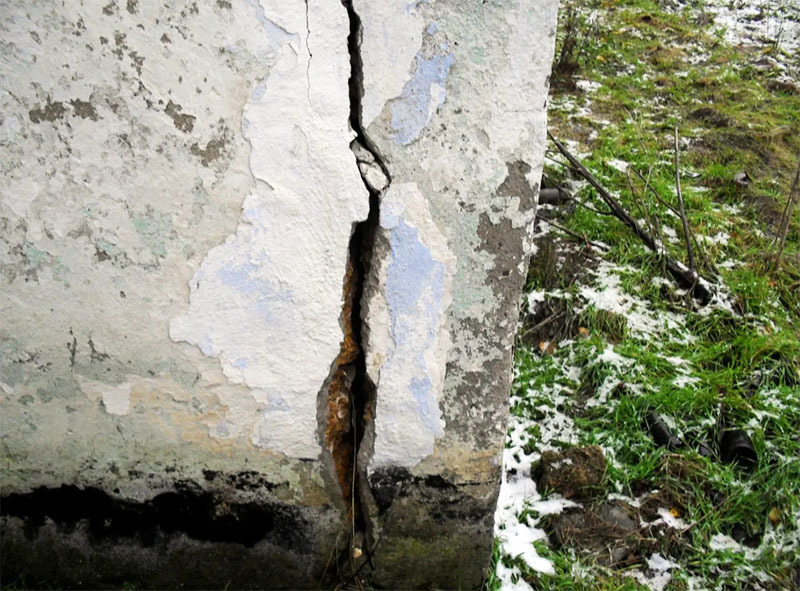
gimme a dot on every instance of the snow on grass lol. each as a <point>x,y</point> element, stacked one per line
<point>607,294</point>
<point>618,165</point>
<point>669,519</point>
<point>587,86</point>
<point>683,381</point>
<point>723,542</point>
<point>718,238</point>
<point>518,496</point>
<point>773,23</point>
<point>590,391</point>
<point>657,576</point>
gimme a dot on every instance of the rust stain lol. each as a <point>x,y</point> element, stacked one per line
<point>339,431</point>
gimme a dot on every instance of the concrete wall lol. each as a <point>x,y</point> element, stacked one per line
<point>260,271</point>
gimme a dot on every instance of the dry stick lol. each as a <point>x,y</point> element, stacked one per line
<point>559,162</point>
<point>685,276</point>
<point>653,224</point>
<point>643,205</point>
<point>590,208</point>
<point>786,217</point>
<point>686,234</point>
<point>573,234</point>
<point>706,263</point>
<point>553,194</point>
<point>542,324</point>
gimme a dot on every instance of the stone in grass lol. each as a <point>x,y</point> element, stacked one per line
<point>576,472</point>
<point>608,531</point>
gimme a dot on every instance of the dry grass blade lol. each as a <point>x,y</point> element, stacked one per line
<point>786,217</point>
<point>681,208</point>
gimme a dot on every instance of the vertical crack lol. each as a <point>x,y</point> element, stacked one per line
<point>310,55</point>
<point>348,398</point>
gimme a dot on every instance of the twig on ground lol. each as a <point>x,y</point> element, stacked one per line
<point>573,234</point>
<point>555,195</point>
<point>708,265</point>
<point>786,217</point>
<point>686,235</point>
<point>560,163</point>
<point>687,277</point>
<point>645,209</point>
<point>542,324</point>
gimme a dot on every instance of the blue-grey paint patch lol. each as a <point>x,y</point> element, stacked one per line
<point>412,109</point>
<point>432,28</point>
<point>414,294</point>
<point>248,279</point>
<point>426,403</point>
<point>259,91</point>
<point>207,345</point>
<point>221,429</point>
<point>277,403</point>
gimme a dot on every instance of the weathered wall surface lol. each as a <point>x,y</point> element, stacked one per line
<point>463,143</point>
<point>206,314</point>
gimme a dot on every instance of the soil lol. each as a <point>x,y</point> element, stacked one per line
<point>609,531</point>
<point>575,473</point>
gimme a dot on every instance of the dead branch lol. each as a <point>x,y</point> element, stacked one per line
<point>542,324</point>
<point>786,217</point>
<point>556,195</point>
<point>687,237</point>
<point>573,234</point>
<point>687,278</point>
<point>706,263</point>
<point>643,205</point>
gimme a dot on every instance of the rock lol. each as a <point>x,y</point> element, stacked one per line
<point>617,515</point>
<point>608,530</point>
<point>575,472</point>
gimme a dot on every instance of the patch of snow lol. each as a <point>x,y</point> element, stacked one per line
<point>555,505</point>
<point>659,563</point>
<point>768,23</point>
<point>680,363</point>
<point>510,578</point>
<point>683,381</point>
<point>723,542</point>
<point>669,233</point>
<point>657,575</point>
<point>670,520</point>
<point>608,295</point>
<point>618,165</point>
<point>718,238</point>
<point>587,86</point>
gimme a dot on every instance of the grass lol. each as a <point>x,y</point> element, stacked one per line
<point>661,68</point>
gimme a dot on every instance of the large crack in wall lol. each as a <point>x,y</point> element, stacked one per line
<point>349,397</point>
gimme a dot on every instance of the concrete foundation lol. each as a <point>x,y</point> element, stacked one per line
<point>260,265</point>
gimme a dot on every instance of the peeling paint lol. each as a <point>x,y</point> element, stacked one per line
<point>421,97</point>
<point>116,399</point>
<point>179,191</point>
<point>408,337</point>
<point>277,280</point>
<point>387,66</point>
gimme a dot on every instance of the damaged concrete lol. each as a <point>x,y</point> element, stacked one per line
<point>461,133</point>
<point>265,272</point>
